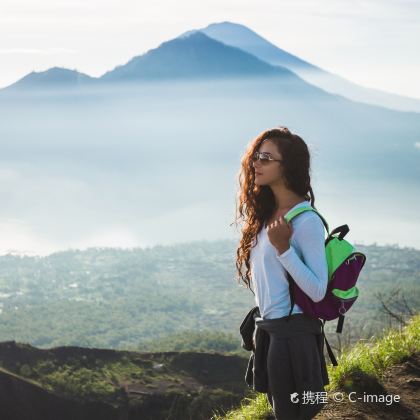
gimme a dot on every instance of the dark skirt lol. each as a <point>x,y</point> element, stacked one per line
<point>295,365</point>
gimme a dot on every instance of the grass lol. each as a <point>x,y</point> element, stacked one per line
<point>253,408</point>
<point>372,358</point>
<point>97,379</point>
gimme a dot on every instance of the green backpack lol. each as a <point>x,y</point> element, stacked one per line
<point>344,265</point>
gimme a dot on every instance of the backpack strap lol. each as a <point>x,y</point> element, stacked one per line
<point>341,320</point>
<point>290,215</point>
<point>329,350</point>
<point>291,294</point>
<point>340,324</point>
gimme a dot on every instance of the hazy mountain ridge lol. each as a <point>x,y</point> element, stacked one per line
<point>103,155</point>
<point>189,57</point>
<point>244,38</point>
<point>196,55</point>
<point>107,159</point>
<point>231,50</point>
<point>53,78</point>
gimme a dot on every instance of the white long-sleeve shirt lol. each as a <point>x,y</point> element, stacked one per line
<point>305,260</point>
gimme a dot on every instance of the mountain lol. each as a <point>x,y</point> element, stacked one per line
<point>72,382</point>
<point>240,36</point>
<point>53,78</point>
<point>190,57</point>
<point>194,55</point>
<point>149,140</point>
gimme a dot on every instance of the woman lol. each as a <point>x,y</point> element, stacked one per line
<point>275,179</point>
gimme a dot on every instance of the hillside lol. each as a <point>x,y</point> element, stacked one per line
<point>388,366</point>
<point>401,379</point>
<point>74,382</point>
<point>136,298</point>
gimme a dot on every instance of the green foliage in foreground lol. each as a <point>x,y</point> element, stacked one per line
<point>252,408</point>
<point>372,358</point>
<point>375,356</point>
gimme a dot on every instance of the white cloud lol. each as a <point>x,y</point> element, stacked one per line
<point>417,145</point>
<point>47,51</point>
<point>119,237</point>
<point>18,237</point>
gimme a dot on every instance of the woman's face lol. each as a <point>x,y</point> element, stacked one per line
<point>268,172</point>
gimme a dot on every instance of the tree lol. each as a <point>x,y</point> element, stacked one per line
<point>395,306</point>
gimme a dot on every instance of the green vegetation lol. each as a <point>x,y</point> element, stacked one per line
<point>207,340</point>
<point>369,358</point>
<point>140,299</point>
<point>160,385</point>
<point>175,298</point>
<point>86,379</point>
<point>252,408</point>
<point>374,357</point>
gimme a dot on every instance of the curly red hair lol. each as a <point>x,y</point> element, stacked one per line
<point>257,203</point>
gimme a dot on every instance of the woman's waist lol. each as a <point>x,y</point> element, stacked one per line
<point>298,323</point>
<point>276,309</point>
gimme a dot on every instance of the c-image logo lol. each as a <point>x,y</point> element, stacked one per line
<point>294,397</point>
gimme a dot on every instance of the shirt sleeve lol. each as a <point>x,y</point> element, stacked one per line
<point>311,274</point>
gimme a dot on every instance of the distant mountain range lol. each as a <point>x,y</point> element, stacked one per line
<point>192,56</point>
<point>220,50</point>
<point>242,37</point>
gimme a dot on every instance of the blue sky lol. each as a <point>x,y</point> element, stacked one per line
<point>372,42</point>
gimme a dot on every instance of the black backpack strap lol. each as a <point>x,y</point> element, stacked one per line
<point>292,304</point>
<point>340,324</point>
<point>292,296</point>
<point>329,350</point>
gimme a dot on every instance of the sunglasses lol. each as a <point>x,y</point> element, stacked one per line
<point>264,157</point>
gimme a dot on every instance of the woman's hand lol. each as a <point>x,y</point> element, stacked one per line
<point>279,233</point>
